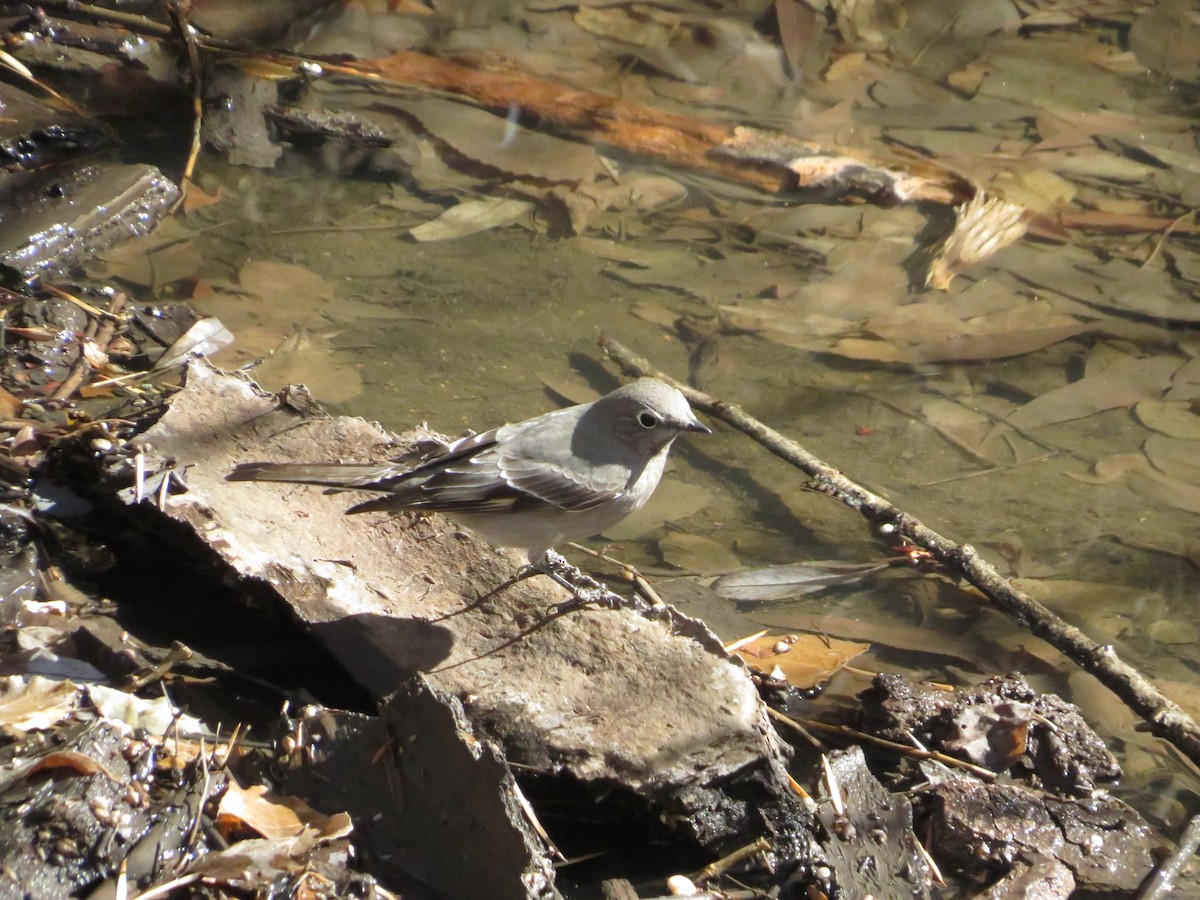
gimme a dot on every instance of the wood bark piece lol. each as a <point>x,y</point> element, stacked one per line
<point>653,707</point>
<point>771,161</point>
<point>1165,718</point>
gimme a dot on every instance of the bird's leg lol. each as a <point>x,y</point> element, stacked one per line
<point>526,571</point>
<point>585,590</point>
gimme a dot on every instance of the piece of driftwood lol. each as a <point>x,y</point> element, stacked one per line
<point>637,708</point>
<point>1164,717</point>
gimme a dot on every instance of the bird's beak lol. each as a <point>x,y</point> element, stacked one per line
<point>697,425</point>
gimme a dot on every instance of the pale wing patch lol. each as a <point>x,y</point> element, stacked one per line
<point>552,485</point>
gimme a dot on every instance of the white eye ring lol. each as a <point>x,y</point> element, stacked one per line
<point>647,419</point>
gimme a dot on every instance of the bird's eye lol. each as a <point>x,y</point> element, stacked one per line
<point>647,419</point>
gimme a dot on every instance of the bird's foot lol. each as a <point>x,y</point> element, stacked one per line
<point>585,590</point>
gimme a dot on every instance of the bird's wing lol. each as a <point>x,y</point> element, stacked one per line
<point>482,474</point>
<point>541,482</point>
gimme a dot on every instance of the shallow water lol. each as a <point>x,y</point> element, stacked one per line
<point>722,287</point>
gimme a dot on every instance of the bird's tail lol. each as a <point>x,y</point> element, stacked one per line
<point>335,475</point>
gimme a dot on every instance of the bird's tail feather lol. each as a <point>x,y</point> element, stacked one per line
<point>338,475</point>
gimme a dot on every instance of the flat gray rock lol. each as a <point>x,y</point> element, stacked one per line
<point>614,698</point>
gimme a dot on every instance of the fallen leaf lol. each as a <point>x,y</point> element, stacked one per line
<point>1111,468</point>
<point>1121,384</point>
<point>204,338</point>
<point>471,217</point>
<point>306,358</point>
<point>794,580</point>
<point>1165,490</point>
<point>1173,631</point>
<point>280,282</point>
<point>804,659</point>
<point>269,814</point>
<point>1176,457</point>
<point>34,703</point>
<point>1177,419</point>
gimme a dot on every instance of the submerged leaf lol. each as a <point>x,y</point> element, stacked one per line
<point>1177,419</point>
<point>1123,383</point>
<point>696,554</point>
<point>795,580</point>
<point>471,217</point>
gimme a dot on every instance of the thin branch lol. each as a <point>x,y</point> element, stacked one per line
<point>1162,882</point>
<point>1165,718</point>
<point>803,726</point>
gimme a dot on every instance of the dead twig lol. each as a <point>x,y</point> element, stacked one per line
<point>102,337</point>
<point>854,734</point>
<point>1164,717</point>
<point>727,862</point>
<point>1162,882</point>
<point>187,35</point>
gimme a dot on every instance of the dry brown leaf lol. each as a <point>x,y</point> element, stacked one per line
<point>804,659</point>
<point>269,814</point>
<point>198,199</point>
<point>10,404</point>
<point>31,702</point>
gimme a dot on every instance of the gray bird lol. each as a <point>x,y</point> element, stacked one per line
<point>558,477</point>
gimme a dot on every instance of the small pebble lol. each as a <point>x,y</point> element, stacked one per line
<point>681,886</point>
